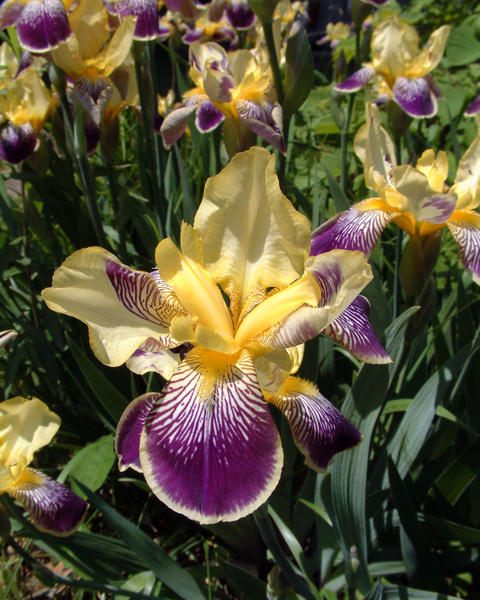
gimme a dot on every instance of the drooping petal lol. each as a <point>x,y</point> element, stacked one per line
<point>357,229</point>
<point>53,507</point>
<point>465,228</point>
<point>208,117</point>
<point>353,330</point>
<point>146,11</point>
<point>356,81</point>
<point>43,25</point>
<point>415,97</point>
<point>17,143</point>
<point>266,121</point>
<point>129,430</point>
<point>319,429</point>
<point>474,108</point>
<point>210,449</point>
<point>239,14</point>
<point>175,123</point>
<point>25,426</point>
<point>152,355</point>
<point>122,307</point>
<point>341,275</point>
<point>252,237</point>
<point>7,336</point>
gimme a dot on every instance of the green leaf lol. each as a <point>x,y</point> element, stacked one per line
<point>339,199</point>
<point>460,473</point>
<point>92,464</point>
<point>110,398</point>
<point>463,47</point>
<point>247,584</point>
<point>421,564</point>
<point>393,592</point>
<point>153,556</point>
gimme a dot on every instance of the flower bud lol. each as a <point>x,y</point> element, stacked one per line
<point>264,9</point>
<point>298,70</point>
<point>360,11</point>
<point>351,569</point>
<point>418,261</point>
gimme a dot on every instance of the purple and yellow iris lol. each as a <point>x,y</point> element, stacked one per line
<point>207,444</point>
<point>403,70</point>
<point>416,199</point>
<point>25,427</point>
<point>237,12</point>
<point>233,88</point>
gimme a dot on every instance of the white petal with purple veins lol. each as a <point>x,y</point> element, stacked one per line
<point>415,96</point>
<point>465,229</point>
<point>43,25</point>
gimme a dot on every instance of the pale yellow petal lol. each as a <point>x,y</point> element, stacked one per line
<point>467,181</point>
<point>435,168</point>
<point>252,237</point>
<point>394,45</point>
<point>89,23</point>
<point>431,55</point>
<point>118,47</point>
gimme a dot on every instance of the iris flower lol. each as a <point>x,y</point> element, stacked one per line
<point>416,199</point>
<point>233,87</point>
<point>224,320</point>
<point>26,426</point>
<point>334,33</point>
<point>41,24</point>
<point>237,12</point>
<point>403,71</point>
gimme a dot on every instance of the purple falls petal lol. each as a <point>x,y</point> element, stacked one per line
<point>52,506</point>
<point>210,449</point>
<point>43,25</point>
<point>17,143</point>
<point>175,124</point>
<point>266,121</point>
<point>194,35</point>
<point>146,12</point>
<point>415,97</point>
<point>356,229</point>
<point>239,14</point>
<point>10,13</point>
<point>465,228</point>
<point>353,330</point>
<point>92,134</point>
<point>356,81</point>
<point>208,117</point>
<point>129,430</point>
<point>319,429</point>
<point>474,108</point>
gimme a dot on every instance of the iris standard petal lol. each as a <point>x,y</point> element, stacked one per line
<point>210,449</point>
<point>357,80</point>
<point>353,330</point>
<point>357,229</point>
<point>465,228</point>
<point>53,507</point>
<point>252,237</point>
<point>319,429</point>
<point>415,97</point>
<point>431,55</point>
<point>122,307</point>
<point>129,431</point>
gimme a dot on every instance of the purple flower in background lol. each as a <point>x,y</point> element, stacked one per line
<point>237,12</point>
<point>474,109</point>
<point>146,11</point>
<point>26,426</point>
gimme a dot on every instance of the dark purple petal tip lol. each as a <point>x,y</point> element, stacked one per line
<point>146,12</point>
<point>17,143</point>
<point>474,108</point>
<point>43,25</point>
<point>240,15</point>
<point>356,81</point>
<point>208,117</point>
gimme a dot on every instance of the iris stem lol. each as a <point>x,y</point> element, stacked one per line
<point>112,187</point>
<point>269,537</point>
<point>397,288</point>
<point>344,144</point>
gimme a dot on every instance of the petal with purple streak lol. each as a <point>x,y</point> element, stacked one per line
<point>43,25</point>
<point>190,10</point>
<point>210,449</point>
<point>52,506</point>
<point>129,430</point>
<point>10,13</point>
<point>152,355</point>
<point>415,97</point>
<point>474,108</point>
<point>357,229</point>
<point>208,117</point>
<point>175,124</point>
<point>17,143</point>
<point>357,80</point>
<point>239,14</point>
<point>319,429</point>
<point>353,330</point>
<point>341,275</point>
<point>146,11</point>
<point>194,35</point>
<point>267,122</point>
<point>465,228</point>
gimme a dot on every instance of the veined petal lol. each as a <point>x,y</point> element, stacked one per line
<point>122,307</point>
<point>415,97</point>
<point>341,275</point>
<point>465,228</point>
<point>43,25</point>
<point>25,426</point>
<point>419,198</point>
<point>319,429</point>
<point>175,124</point>
<point>152,355</point>
<point>52,506</point>
<point>17,143</point>
<point>210,449</point>
<point>267,121</point>
<point>356,81</point>
<point>353,330</point>
<point>208,117</point>
<point>129,431</point>
<point>274,368</point>
<point>467,181</point>
<point>146,11</point>
<point>252,237</point>
<point>357,229</point>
